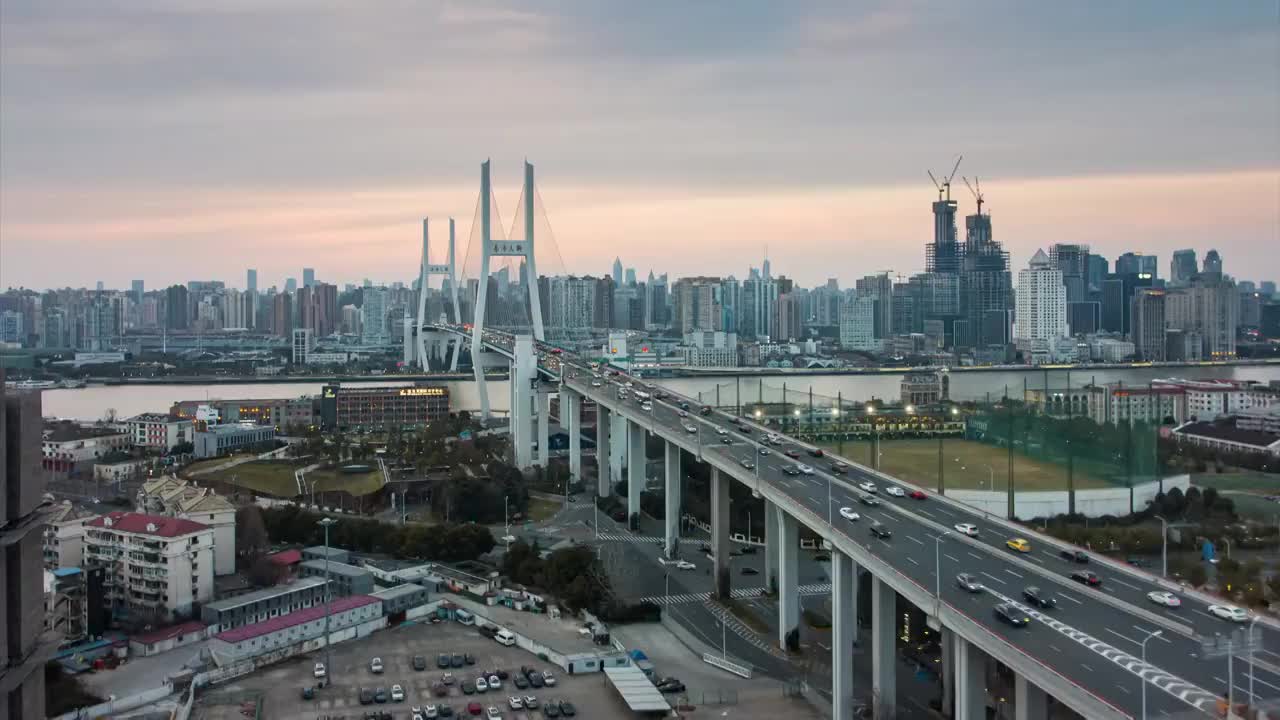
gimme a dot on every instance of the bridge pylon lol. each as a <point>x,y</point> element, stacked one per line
<point>490,248</point>
<point>449,271</point>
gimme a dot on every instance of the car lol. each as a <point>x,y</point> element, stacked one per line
<point>893,490</point>
<point>880,531</point>
<point>1087,577</point>
<point>439,690</point>
<point>867,486</point>
<point>744,429</point>
<point>432,712</point>
<point>646,406</point>
<point>567,709</point>
<point>494,682</point>
<point>442,661</point>
<point>515,703</point>
<point>1039,598</point>
<point>475,709</point>
<point>750,571</point>
<point>482,684</point>
<point>596,383</point>
<point>446,710</point>
<point>966,582</point>
<point>1078,556</point>
<point>671,685</point>
<point>530,702</point>
<point>683,414</point>
<point>967,529</point>
<point>690,428</point>
<point>551,710</point>
<point>869,501</point>
<point>1018,544</point>
<point>503,674</point>
<point>684,406</point>
<point>806,469</point>
<point>1136,561</point>
<point>458,660</point>
<point>1165,598</point>
<point>726,440</point>
<point>791,453</point>
<point>521,682</point>
<point>493,713</point>
<point>1010,613</point>
<point>747,463</point>
<point>366,696</point>
<point>764,451</point>
<point>721,431</point>
<point>397,693</point>
<point>308,693</point>
<point>447,679</point>
<point>318,671</point>
<point>839,468</point>
<point>849,513</point>
<point>380,695</point>
<point>706,410</point>
<point>1229,612</point>
<point>549,679</point>
<point>917,495</point>
<point>685,565</point>
<point>536,681</point>
<point>816,452</point>
<point>467,687</point>
<point>419,663</point>
<point>375,666</point>
<point>790,470</point>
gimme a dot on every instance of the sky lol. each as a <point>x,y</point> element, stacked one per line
<point>174,140</point>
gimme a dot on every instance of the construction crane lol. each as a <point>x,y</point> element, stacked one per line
<point>945,185</point>
<point>895,274</point>
<point>976,189</point>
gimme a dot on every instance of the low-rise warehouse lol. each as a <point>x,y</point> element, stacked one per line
<point>401,597</point>
<point>347,579</point>
<point>349,616</point>
<point>263,605</point>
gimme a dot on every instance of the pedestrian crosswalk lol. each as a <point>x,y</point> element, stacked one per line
<point>736,594</point>
<point>627,537</point>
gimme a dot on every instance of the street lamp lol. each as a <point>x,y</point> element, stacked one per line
<point>1252,668</point>
<point>911,409</point>
<point>1154,633</point>
<point>1164,546</point>
<point>326,523</point>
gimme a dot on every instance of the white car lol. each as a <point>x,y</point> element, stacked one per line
<point>685,565</point>
<point>319,670</point>
<point>596,383</point>
<point>433,712</point>
<point>482,685</point>
<point>495,683</point>
<point>866,486</point>
<point>548,678</point>
<point>967,529</point>
<point>848,514</point>
<point>804,469</point>
<point>683,414</point>
<point>895,491</point>
<point>690,428</point>
<point>1228,612</point>
<point>721,431</point>
<point>515,703</point>
<point>764,451</point>
<point>1161,597</point>
<point>646,406</point>
<point>397,693</point>
<point>375,665</point>
<point>493,713</point>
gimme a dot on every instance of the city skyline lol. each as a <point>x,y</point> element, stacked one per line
<point>726,141</point>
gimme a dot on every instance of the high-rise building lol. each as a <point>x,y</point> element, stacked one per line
<point>303,343</point>
<point>282,315</point>
<point>374,317</point>
<point>1148,325</point>
<point>631,276</point>
<point>176,313</point>
<point>1073,262</point>
<point>291,285</point>
<point>1212,263</point>
<point>1042,303</point>
<point>617,271</point>
<point>857,323</point>
<point>1182,267</point>
<point>986,286</point>
<point>757,308</point>
<point>11,327</point>
<point>790,321</point>
<point>1117,298</point>
<point>318,308</point>
<point>943,254</point>
<point>251,280</point>
<point>880,289</point>
<point>308,277</point>
<point>1136,264</point>
<point>1097,271</point>
<point>26,645</point>
<point>570,302</point>
<point>695,304</point>
<point>139,289</point>
<point>1210,308</point>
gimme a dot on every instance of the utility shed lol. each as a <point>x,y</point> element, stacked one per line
<point>637,689</point>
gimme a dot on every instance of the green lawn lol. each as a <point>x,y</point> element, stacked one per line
<point>967,465</point>
<point>275,477</point>
<point>540,509</point>
<point>1246,489</point>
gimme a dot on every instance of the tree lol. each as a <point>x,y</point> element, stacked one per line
<point>1198,576</point>
<point>251,532</point>
<point>263,572</point>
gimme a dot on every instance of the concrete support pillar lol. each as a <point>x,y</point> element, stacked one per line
<point>543,399</point>
<point>971,681</point>
<point>523,373</point>
<point>844,584</point>
<point>788,575</point>
<point>1032,703</point>
<point>674,491</point>
<point>604,421</point>
<point>948,671</point>
<point>771,546</point>
<point>571,418</point>
<point>884,678</point>
<point>635,466</point>
<point>720,532</point>
<point>618,448</point>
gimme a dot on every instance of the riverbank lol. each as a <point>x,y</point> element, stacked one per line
<point>711,372</point>
<point>279,379</point>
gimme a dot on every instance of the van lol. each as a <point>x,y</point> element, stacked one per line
<point>505,637</point>
<point>464,617</point>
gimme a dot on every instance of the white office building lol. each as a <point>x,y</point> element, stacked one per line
<point>858,323</point>
<point>1041,316</point>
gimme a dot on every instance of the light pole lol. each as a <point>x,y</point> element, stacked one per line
<point>1252,668</point>
<point>326,523</point>
<point>1164,547</point>
<point>506,523</point>
<point>1144,662</point>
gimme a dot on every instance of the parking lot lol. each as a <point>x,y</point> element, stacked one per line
<point>280,686</point>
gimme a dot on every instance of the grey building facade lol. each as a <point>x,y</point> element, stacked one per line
<point>346,579</point>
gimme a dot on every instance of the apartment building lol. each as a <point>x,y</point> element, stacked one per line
<point>66,444</point>
<point>155,430</point>
<point>158,567</point>
<point>64,536</point>
<point>181,499</point>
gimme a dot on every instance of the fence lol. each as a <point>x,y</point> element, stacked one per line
<point>1091,503</point>
<point>119,705</point>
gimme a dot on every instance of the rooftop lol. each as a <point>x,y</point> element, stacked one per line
<point>1229,432</point>
<point>286,557</point>
<point>398,591</point>
<point>265,594</point>
<point>233,428</point>
<point>157,417</point>
<point>322,550</point>
<point>336,568</point>
<point>173,631</point>
<point>66,431</point>
<point>338,605</point>
<point>141,524</point>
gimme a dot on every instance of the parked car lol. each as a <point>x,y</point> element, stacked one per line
<point>442,661</point>
<point>1039,598</point>
<point>549,679</point>
<point>494,682</point>
<point>515,702</point>
<point>482,685</point>
<point>530,702</point>
<point>319,670</point>
<point>551,710</point>
<point>419,663</point>
<point>366,696</point>
<point>375,666</point>
<point>458,660</point>
<point>468,687</point>
<point>567,709</point>
<point>308,693</point>
<point>493,713</point>
<point>380,695</point>
<point>521,682</point>
<point>397,693</point>
<point>475,709</point>
<point>447,678</point>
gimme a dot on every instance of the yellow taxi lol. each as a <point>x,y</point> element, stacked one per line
<point>1019,544</point>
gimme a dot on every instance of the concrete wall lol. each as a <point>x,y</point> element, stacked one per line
<point>1093,503</point>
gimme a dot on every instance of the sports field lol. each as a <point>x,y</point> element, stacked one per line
<point>274,477</point>
<point>966,465</point>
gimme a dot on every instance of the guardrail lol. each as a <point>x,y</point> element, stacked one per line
<point>726,664</point>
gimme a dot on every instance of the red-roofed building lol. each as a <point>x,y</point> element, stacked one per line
<point>158,567</point>
<point>167,638</point>
<point>362,613</point>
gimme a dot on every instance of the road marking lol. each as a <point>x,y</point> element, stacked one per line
<point>925,512</point>
<point>912,561</point>
<point>952,558</point>
<point>1036,560</point>
<point>1261,682</point>
<point>975,556</point>
<point>1012,573</point>
<point>1065,596</point>
<point>1086,667</point>
<point>1211,617</point>
<point>918,542</point>
<point>1122,637</point>
<point>1054,648</point>
<point>1126,690</point>
<point>993,577</point>
<point>1132,587</point>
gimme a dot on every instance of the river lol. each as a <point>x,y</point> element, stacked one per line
<point>94,403</point>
